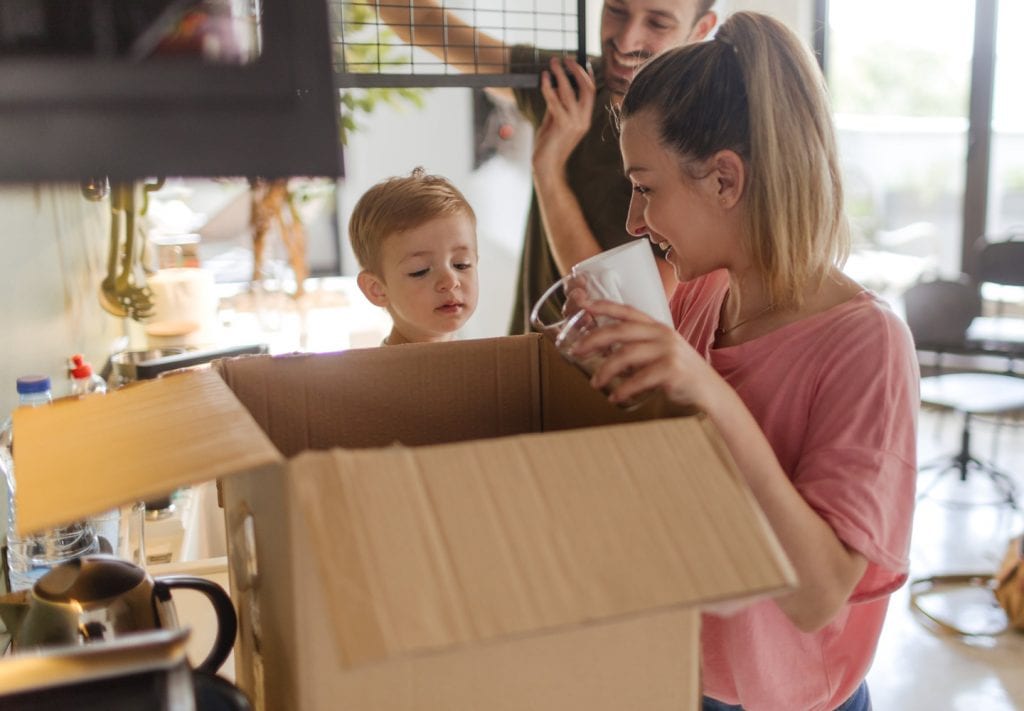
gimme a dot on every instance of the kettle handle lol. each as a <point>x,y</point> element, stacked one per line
<point>227,621</point>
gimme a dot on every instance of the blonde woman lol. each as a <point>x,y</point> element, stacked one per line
<point>809,377</point>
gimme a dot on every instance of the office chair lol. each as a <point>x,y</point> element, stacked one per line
<point>938,313</point>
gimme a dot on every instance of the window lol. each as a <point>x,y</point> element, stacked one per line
<point>930,130</point>
<point>1006,182</point>
<point>901,100</point>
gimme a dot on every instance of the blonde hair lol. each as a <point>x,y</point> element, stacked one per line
<point>398,204</point>
<point>757,90</point>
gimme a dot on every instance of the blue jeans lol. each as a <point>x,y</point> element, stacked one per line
<point>860,701</point>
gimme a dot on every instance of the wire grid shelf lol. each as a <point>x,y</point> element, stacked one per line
<point>367,52</point>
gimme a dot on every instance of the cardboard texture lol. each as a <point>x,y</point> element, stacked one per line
<point>465,525</point>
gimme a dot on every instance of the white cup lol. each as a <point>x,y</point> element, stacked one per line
<point>629,275</point>
<point>626,274</point>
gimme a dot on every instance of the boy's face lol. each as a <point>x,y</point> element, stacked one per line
<point>428,280</point>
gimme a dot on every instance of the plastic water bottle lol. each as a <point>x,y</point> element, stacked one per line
<point>30,557</point>
<point>83,379</point>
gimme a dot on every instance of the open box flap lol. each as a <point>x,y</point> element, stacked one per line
<point>80,456</point>
<point>433,547</point>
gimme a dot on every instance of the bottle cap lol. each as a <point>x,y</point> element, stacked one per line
<point>33,384</point>
<point>80,368</point>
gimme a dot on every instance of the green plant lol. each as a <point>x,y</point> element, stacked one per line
<point>363,44</point>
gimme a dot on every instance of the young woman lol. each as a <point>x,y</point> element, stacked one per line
<point>811,380</point>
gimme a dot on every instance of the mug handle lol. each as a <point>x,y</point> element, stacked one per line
<point>536,319</point>
<point>227,620</point>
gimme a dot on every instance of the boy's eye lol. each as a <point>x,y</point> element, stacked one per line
<point>420,273</point>
<point>641,190</point>
<point>462,266</point>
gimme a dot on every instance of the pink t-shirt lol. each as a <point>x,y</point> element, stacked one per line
<point>836,394</point>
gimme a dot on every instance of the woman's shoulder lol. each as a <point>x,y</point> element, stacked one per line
<point>868,310</point>
<point>866,334</point>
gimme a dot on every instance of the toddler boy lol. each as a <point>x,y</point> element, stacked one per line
<point>415,239</point>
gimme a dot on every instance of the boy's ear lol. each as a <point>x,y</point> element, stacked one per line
<point>373,288</point>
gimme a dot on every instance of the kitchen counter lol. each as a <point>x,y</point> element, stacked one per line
<point>332,315</point>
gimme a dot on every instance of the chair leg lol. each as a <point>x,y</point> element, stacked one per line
<point>963,462</point>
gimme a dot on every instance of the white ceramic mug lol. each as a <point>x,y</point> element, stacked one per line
<point>627,274</point>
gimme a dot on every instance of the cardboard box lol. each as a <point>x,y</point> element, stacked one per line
<point>473,527</point>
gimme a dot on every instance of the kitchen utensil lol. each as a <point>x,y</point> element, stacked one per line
<point>131,290</point>
<point>108,293</point>
<point>124,365</point>
<point>100,597</point>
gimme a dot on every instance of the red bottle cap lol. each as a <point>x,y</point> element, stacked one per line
<point>81,369</point>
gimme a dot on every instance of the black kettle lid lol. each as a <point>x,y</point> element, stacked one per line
<point>89,578</point>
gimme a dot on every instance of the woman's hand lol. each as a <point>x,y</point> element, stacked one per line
<point>567,118</point>
<point>643,355</point>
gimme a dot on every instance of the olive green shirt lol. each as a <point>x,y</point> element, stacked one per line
<point>594,172</point>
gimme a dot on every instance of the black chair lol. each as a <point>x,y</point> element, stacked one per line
<point>1000,263</point>
<point>939,313</point>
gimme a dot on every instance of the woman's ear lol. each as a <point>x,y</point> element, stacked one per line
<point>731,174</point>
<point>373,288</point>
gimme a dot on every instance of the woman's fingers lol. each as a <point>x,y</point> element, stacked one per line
<point>634,369</point>
<point>638,353</point>
<point>613,310</point>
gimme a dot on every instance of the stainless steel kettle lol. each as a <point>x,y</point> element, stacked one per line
<point>100,597</point>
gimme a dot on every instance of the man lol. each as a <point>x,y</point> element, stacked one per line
<point>580,195</point>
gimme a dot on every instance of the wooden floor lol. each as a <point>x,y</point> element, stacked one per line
<point>917,668</point>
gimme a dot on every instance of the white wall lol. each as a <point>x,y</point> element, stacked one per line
<point>797,14</point>
<point>54,258</point>
<point>55,244</point>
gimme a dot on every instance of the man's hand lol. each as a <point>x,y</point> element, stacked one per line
<point>567,118</point>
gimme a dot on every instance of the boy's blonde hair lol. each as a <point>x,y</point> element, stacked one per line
<point>757,90</point>
<point>398,204</point>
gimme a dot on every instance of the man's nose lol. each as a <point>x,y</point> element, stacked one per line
<point>630,37</point>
